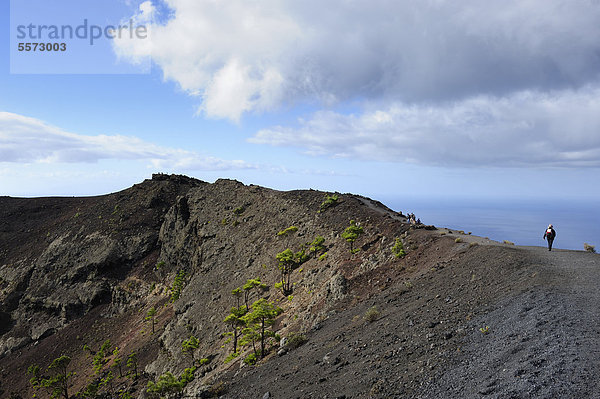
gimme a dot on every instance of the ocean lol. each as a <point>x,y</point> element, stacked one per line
<point>522,222</point>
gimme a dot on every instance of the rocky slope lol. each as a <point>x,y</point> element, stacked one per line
<point>75,272</point>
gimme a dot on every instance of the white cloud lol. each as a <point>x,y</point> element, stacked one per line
<point>232,91</point>
<point>242,56</point>
<point>524,129</point>
<point>147,11</point>
<point>29,140</point>
<point>439,82</point>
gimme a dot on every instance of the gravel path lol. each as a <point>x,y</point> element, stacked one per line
<point>543,342</point>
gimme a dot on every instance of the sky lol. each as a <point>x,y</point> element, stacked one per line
<point>389,99</point>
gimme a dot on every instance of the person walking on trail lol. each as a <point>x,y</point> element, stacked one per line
<point>549,236</point>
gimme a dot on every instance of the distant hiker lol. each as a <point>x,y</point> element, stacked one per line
<point>549,235</point>
<point>412,218</point>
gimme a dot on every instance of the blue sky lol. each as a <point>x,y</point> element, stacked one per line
<point>436,99</point>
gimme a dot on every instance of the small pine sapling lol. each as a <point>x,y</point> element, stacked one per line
<point>250,359</point>
<point>239,210</point>
<point>151,317</point>
<point>90,391</point>
<point>166,385</point>
<point>118,361</point>
<point>132,365</point>
<point>178,285</point>
<point>187,375</point>
<point>125,394</point>
<point>189,346</point>
<point>289,230</point>
<point>330,201</point>
<point>351,233</point>
<point>301,256</point>
<point>398,249</point>
<point>100,357</point>
<point>107,382</point>
<point>317,246</point>
<point>34,371</point>
<point>159,269</point>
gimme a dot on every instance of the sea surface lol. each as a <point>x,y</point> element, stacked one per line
<point>520,221</point>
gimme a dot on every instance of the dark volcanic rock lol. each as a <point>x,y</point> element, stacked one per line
<point>65,261</point>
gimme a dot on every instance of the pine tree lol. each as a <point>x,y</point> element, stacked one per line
<point>351,233</point>
<point>251,284</point>
<point>150,316</point>
<point>118,361</point>
<point>178,285</point>
<point>237,293</point>
<point>189,346</point>
<point>317,245</point>
<point>132,364</point>
<point>262,316</point>
<point>236,323</point>
<point>166,386</point>
<point>100,357</point>
<point>287,264</point>
<point>57,384</point>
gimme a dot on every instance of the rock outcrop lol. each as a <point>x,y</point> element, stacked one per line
<point>70,259</point>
